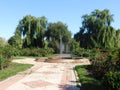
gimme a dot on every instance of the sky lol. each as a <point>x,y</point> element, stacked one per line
<point>67,11</point>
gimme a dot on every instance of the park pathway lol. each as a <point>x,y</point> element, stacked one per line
<point>42,76</point>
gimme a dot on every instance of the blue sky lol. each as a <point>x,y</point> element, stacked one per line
<point>67,11</point>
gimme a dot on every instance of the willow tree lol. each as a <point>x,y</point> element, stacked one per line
<point>96,30</point>
<point>31,30</point>
<point>16,40</point>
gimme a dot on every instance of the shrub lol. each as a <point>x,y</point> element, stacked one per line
<point>95,53</point>
<point>15,51</point>
<point>81,52</point>
<point>105,65</point>
<point>111,80</point>
<point>36,52</point>
<point>105,62</point>
<point>5,56</point>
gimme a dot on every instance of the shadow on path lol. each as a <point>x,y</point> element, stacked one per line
<point>68,87</point>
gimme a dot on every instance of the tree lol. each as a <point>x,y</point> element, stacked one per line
<point>16,40</point>
<point>57,31</point>
<point>74,45</point>
<point>31,31</point>
<point>96,30</point>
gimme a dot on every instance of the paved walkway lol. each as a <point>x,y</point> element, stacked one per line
<point>42,76</point>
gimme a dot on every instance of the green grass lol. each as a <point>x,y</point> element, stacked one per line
<point>88,81</point>
<point>13,70</point>
<point>23,57</point>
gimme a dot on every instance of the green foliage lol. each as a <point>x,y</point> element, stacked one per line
<point>105,66</point>
<point>58,30</point>
<point>16,51</point>
<point>111,80</point>
<point>55,32</point>
<point>105,62</point>
<point>5,56</point>
<point>37,52</point>
<point>78,52</point>
<point>117,38</point>
<point>82,53</point>
<point>55,45</point>
<point>88,82</point>
<point>73,45</point>
<point>15,42</point>
<point>97,32</point>
<point>30,32</point>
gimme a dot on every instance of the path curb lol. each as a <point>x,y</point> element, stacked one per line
<point>78,84</point>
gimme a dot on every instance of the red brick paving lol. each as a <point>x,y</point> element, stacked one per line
<point>10,81</point>
<point>39,83</point>
<point>65,84</point>
<point>48,72</point>
<point>66,79</point>
<point>14,79</point>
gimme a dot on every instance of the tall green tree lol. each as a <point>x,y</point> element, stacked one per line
<point>56,32</point>
<point>16,40</point>
<point>96,30</point>
<point>31,31</point>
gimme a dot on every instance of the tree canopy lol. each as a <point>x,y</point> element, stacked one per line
<point>55,32</point>
<point>96,30</point>
<point>31,31</point>
<point>58,30</point>
<point>37,32</point>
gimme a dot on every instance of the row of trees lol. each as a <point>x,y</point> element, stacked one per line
<point>37,32</point>
<point>97,32</point>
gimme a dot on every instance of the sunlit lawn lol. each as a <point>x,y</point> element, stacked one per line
<point>13,70</point>
<point>88,82</point>
<point>23,57</point>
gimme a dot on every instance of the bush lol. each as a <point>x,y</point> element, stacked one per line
<point>36,52</point>
<point>16,52</point>
<point>111,80</point>
<point>81,52</point>
<point>94,53</point>
<point>105,62</point>
<point>105,65</point>
<point>5,56</point>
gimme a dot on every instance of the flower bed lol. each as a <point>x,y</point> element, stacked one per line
<point>104,66</point>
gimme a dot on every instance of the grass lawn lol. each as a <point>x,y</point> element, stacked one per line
<point>23,57</point>
<point>88,81</point>
<point>13,69</point>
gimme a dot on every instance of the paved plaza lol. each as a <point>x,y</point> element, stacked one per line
<point>42,76</point>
